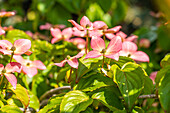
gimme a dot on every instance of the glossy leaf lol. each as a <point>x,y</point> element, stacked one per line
<point>53,103</point>
<point>88,110</point>
<point>109,96</point>
<point>94,82</point>
<point>22,94</point>
<point>34,102</point>
<point>10,109</point>
<point>74,102</point>
<point>130,81</point>
<point>15,34</point>
<point>164,91</point>
<point>165,61</point>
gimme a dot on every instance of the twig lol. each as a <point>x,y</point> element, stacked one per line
<point>53,91</point>
<point>154,96</point>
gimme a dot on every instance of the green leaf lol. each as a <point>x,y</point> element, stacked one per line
<point>164,91</point>
<point>161,74</point>
<point>109,96</point>
<point>165,61</point>
<point>16,34</point>
<point>10,109</point>
<point>53,103</point>
<point>94,82</point>
<point>88,110</point>
<point>22,94</point>
<point>120,111</point>
<point>130,81</point>
<point>74,102</point>
<point>34,102</point>
<point>148,85</point>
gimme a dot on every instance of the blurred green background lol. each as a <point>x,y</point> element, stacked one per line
<point>145,18</point>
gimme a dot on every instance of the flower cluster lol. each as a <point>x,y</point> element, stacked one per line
<point>20,46</point>
<point>120,44</point>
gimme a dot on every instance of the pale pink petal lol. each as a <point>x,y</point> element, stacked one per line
<point>38,64</point>
<point>100,25</point>
<point>124,53</point>
<point>129,46</point>
<point>97,33</point>
<point>12,79</point>
<point>140,56</point>
<point>19,59</point>
<point>13,67</point>
<point>73,62</point>
<point>110,35</point>
<point>30,71</point>
<point>1,67</point>
<point>61,64</point>
<point>55,40</point>
<point>113,30</point>
<point>2,32</point>
<point>115,45</point>
<point>22,45</point>
<point>80,54</point>
<point>77,41</point>
<point>153,76</point>
<point>67,33</point>
<point>5,52</point>
<point>56,33</point>
<point>5,44</point>
<point>93,54</point>
<point>85,22</point>
<point>76,25</point>
<point>77,32</point>
<point>97,43</point>
<point>121,34</point>
<point>113,56</point>
<point>47,26</point>
<point>131,38</point>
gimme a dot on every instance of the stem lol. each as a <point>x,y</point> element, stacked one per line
<point>53,91</point>
<point>11,56</point>
<point>1,80</point>
<point>87,41</point>
<point>63,50</point>
<point>0,21</point>
<point>153,96</point>
<point>69,79</point>
<point>104,37</point>
<point>103,61</point>
<point>77,79</point>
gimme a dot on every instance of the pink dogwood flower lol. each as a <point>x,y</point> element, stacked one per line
<point>30,67</point>
<point>47,26</point>
<point>99,49</point>
<point>6,14</point>
<point>8,71</point>
<point>19,47</point>
<point>85,24</point>
<point>58,35</point>
<point>153,76</point>
<point>79,42</point>
<point>72,61</point>
<point>129,49</point>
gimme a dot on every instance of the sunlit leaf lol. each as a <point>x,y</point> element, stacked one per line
<point>74,102</point>
<point>10,109</point>
<point>130,81</point>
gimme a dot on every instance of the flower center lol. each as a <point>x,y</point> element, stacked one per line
<point>28,64</point>
<point>68,57</point>
<point>13,48</point>
<point>3,71</point>
<point>129,55</point>
<point>103,51</point>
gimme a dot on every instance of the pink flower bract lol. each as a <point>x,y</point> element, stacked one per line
<point>8,70</point>
<point>98,46</point>
<point>30,67</point>
<point>129,49</point>
<point>19,47</point>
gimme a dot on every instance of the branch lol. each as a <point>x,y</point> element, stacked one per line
<point>53,91</point>
<point>154,96</point>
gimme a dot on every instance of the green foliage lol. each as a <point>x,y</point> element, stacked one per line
<point>74,102</point>
<point>10,109</point>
